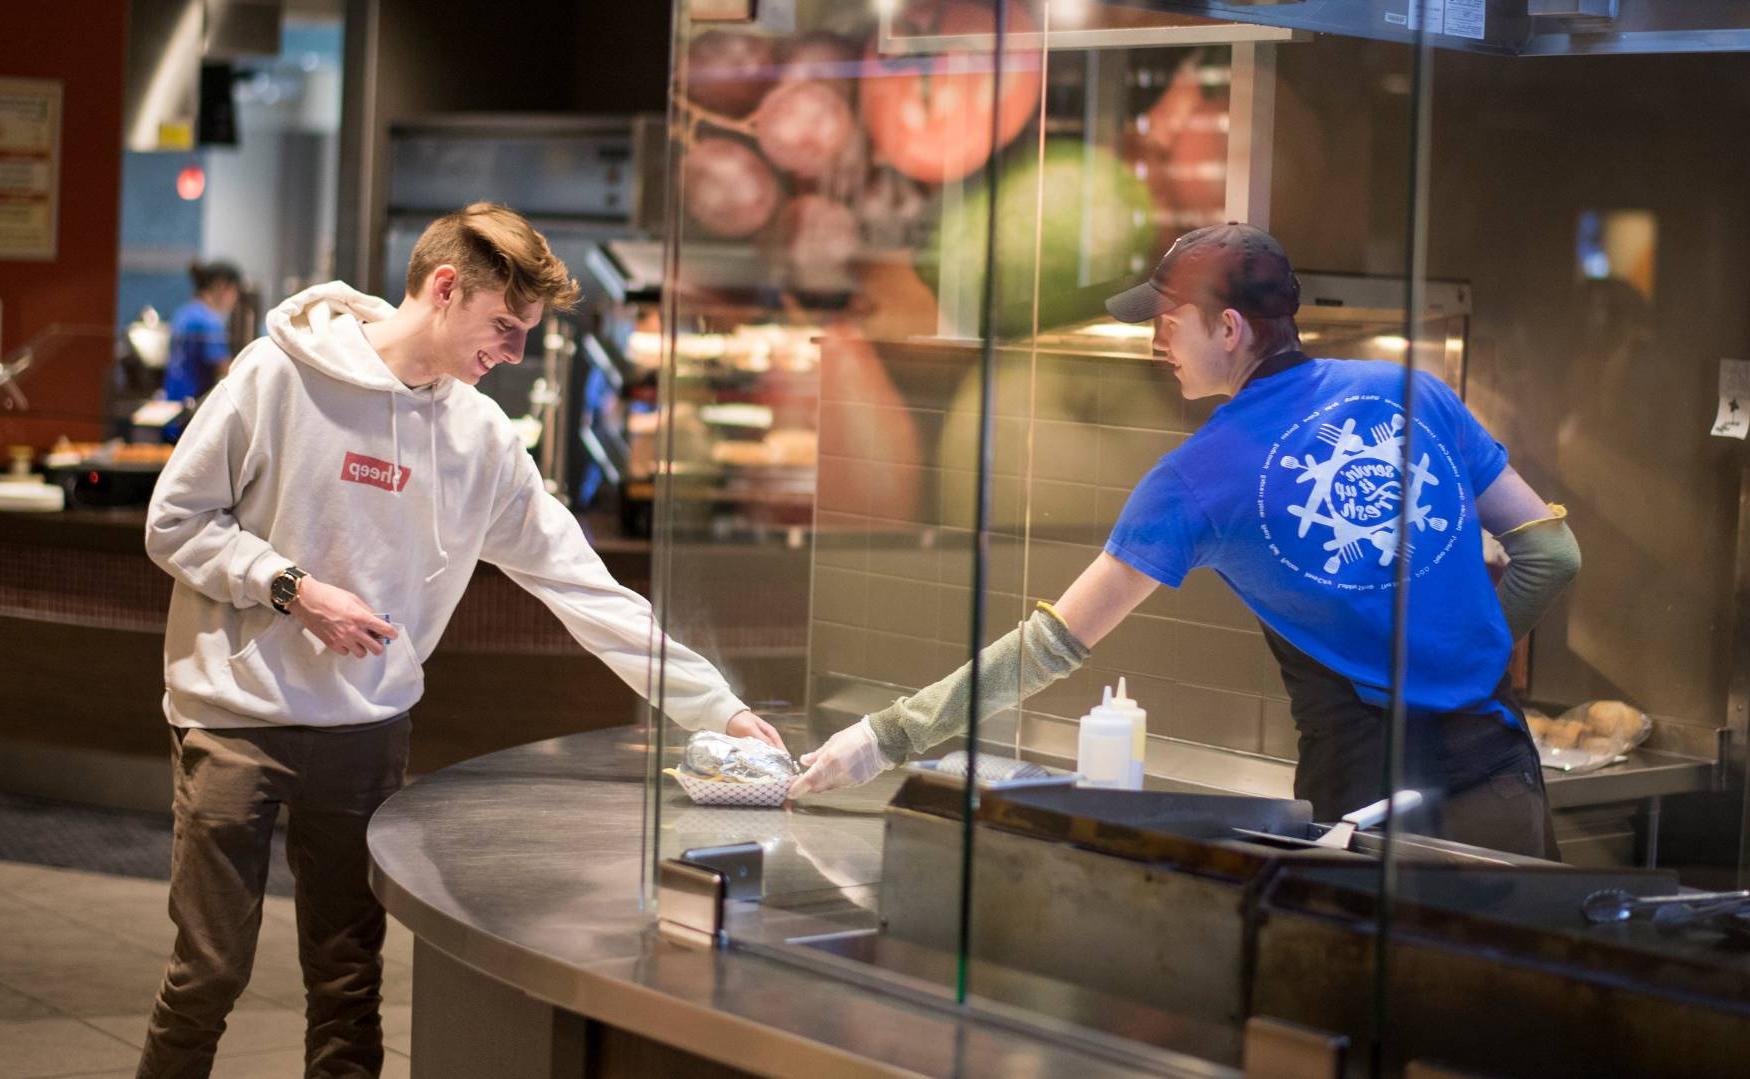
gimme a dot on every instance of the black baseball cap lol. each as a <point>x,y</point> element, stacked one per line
<point>1232,265</point>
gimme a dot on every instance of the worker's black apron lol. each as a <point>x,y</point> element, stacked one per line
<point>1479,777</point>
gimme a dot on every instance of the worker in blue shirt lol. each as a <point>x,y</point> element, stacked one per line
<point>200,351</point>
<point>1294,492</point>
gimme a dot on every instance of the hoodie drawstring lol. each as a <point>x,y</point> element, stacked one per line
<point>437,494</point>
<point>394,444</point>
<point>437,501</point>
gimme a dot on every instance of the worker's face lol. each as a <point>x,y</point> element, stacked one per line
<point>222,299</point>
<point>478,330</point>
<point>1201,355</point>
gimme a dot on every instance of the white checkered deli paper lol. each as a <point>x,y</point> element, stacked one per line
<point>728,792</point>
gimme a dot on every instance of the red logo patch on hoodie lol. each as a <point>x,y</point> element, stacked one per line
<point>357,468</point>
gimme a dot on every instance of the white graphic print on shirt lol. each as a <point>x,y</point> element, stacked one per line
<point>1337,523</point>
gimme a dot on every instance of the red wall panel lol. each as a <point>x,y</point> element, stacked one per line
<point>83,44</point>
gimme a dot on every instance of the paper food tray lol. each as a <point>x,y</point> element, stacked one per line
<point>719,792</point>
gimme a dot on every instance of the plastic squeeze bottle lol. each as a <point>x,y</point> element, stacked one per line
<point>1138,719</point>
<point>1103,746</point>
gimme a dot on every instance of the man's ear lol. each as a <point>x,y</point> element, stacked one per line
<point>445,285</point>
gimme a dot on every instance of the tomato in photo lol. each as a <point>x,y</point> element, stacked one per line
<point>930,115</point>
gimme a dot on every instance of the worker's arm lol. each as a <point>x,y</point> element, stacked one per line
<point>1543,556</point>
<point>1051,644</point>
<point>1103,596</point>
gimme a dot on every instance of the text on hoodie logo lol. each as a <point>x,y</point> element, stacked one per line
<point>357,468</point>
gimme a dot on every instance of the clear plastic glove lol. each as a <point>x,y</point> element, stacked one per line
<point>848,758</point>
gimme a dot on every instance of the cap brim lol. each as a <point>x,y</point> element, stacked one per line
<point>1140,304</point>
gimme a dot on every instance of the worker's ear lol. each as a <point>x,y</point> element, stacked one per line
<point>1233,329</point>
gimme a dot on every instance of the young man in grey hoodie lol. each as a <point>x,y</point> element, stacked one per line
<point>347,466</point>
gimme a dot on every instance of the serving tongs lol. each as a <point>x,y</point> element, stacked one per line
<point>1616,905</point>
<point>1338,836</point>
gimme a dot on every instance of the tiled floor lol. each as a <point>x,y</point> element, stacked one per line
<point>80,958</point>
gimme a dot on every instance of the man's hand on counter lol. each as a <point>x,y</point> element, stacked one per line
<point>340,620</point>
<point>748,725</point>
<point>849,758</point>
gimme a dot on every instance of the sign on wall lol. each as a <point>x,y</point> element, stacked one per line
<point>30,167</point>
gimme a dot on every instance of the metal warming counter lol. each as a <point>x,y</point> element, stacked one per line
<point>1156,899</point>
<point>1145,928</point>
<point>520,874</point>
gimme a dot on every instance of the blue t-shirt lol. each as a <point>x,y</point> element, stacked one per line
<point>198,346</point>
<point>1292,491</point>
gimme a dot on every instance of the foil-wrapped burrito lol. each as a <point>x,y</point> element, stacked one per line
<point>742,760</point>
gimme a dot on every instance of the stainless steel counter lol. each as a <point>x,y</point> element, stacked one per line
<point>1191,766</point>
<point>1646,774</point>
<point>1606,817</point>
<point>526,866</point>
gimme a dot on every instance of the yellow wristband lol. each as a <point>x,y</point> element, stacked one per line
<point>1557,512</point>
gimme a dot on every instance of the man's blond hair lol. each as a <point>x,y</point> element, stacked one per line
<point>495,248</point>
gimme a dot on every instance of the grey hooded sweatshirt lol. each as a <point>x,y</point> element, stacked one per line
<point>311,452</point>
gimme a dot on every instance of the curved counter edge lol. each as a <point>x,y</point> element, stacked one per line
<point>485,862</point>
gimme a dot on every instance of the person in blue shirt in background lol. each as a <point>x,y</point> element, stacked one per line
<point>1294,492</point>
<point>200,350</point>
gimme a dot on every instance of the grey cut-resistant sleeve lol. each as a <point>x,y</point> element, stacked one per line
<point>1545,557</point>
<point>1022,662</point>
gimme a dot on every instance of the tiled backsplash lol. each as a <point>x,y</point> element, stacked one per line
<point>893,554</point>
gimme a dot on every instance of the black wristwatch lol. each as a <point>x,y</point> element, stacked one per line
<point>284,588</point>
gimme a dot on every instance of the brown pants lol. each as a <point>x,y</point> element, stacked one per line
<point>229,787</point>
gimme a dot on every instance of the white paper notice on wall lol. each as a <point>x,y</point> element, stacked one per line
<point>30,168</point>
<point>1462,18</point>
<point>1733,420</point>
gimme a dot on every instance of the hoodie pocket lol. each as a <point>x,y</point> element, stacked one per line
<point>286,674</point>
<point>276,623</point>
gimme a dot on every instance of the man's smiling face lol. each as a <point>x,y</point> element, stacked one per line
<point>482,331</point>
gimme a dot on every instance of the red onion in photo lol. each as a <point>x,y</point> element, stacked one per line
<point>819,237</point>
<point>820,57</point>
<point>729,72</point>
<point>930,116</point>
<point>893,210</point>
<point>803,127</point>
<point>728,189</point>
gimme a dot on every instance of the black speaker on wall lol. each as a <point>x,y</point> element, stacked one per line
<point>217,125</point>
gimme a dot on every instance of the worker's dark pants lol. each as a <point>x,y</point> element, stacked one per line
<point>1478,775</point>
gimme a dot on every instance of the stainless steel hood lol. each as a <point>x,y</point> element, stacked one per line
<point>164,74</point>
<point>1505,27</point>
<point>167,42</point>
